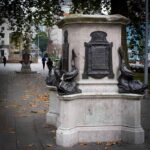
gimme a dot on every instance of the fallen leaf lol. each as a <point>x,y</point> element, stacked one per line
<point>30,145</point>
<point>49,145</point>
<point>41,111</point>
<point>109,143</point>
<point>53,131</point>
<point>46,126</point>
<point>105,148</point>
<point>22,115</point>
<point>33,105</point>
<point>25,99</point>
<point>11,130</point>
<point>98,143</point>
<point>83,144</point>
<point>33,111</point>
<point>43,97</point>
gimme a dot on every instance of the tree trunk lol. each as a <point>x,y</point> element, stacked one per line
<point>119,7</point>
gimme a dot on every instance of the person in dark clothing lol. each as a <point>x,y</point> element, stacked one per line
<point>43,62</point>
<point>4,61</point>
<point>50,65</point>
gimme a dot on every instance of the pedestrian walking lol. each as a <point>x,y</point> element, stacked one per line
<point>4,61</point>
<point>43,62</point>
<point>50,65</point>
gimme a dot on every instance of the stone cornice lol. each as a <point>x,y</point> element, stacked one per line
<point>90,19</point>
<point>122,96</point>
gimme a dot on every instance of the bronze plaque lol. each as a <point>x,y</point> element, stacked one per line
<point>98,57</point>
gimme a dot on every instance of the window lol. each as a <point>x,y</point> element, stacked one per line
<point>3,42</point>
<point>2,35</point>
<point>2,29</point>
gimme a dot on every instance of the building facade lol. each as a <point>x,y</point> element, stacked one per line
<point>55,41</point>
<point>4,40</point>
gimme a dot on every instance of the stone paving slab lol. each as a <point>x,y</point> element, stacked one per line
<point>23,108</point>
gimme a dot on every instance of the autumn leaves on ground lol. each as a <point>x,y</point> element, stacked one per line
<point>24,102</point>
<point>32,97</point>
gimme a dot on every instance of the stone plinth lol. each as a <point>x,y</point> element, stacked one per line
<point>99,118</point>
<point>26,67</point>
<point>79,28</point>
<point>99,113</point>
<point>52,115</point>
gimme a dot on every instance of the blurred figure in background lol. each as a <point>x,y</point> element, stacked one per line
<point>50,65</point>
<point>43,62</point>
<point>4,61</point>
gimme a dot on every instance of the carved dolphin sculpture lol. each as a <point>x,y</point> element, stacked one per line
<point>126,83</point>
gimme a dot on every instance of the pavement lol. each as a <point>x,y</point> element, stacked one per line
<point>23,107</point>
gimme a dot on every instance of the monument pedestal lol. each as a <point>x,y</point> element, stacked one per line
<point>25,68</point>
<point>99,113</point>
<point>99,118</point>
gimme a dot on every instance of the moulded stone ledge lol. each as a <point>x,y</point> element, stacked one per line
<point>52,88</point>
<point>92,95</point>
<point>81,18</point>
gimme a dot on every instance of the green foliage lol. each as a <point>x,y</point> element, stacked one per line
<point>134,10</point>
<point>16,38</point>
<point>86,7</point>
<point>22,14</point>
<point>41,39</point>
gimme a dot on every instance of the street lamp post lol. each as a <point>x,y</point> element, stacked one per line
<point>146,48</point>
<point>38,45</point>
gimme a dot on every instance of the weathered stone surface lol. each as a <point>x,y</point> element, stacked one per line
<point>53,113</point>
<point>99,117</point>
<point>80,18</point>
<point>99,113</point>
<point>79,28</point>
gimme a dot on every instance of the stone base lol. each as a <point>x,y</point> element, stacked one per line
<point>99,118</point>
<point>70,137</point>
<point>26,72</point>
<point>26,69</point>
<point>53,113</point>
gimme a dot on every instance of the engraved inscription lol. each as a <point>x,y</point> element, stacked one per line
<point>98,56</point>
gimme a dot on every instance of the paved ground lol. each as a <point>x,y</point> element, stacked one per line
<point>23,105</point>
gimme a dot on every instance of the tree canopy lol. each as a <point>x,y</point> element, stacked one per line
<point>41,40</point>
<point>134,10</point>
<point>22,14</point>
